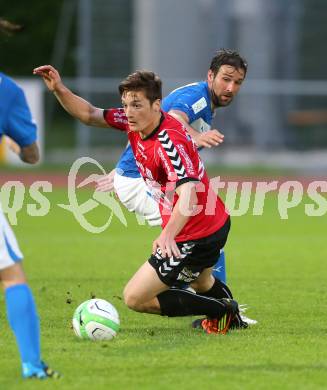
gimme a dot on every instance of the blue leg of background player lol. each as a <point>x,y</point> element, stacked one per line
<point>219,272</point>
<point>219,269</point>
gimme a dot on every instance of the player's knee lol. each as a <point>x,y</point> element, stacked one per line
<point>11,283</point>
<point>131,300</point>
<point>12,275</point>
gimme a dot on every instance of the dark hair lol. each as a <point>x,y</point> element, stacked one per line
<point>142,80</point>
<point>228,57</point>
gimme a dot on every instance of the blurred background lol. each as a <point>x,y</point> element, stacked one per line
<point>278,120</point>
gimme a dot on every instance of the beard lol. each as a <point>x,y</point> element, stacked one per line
<point>216,100</point>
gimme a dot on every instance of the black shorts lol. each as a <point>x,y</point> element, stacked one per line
<point>196,256</point>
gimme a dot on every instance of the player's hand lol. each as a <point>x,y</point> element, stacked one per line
<point>167,245</point>
<point>50,76</point>
<point>209,138</point>
<point>106,182</point>
<point>13,146</point>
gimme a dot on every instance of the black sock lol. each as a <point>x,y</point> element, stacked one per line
<point>177,303</point>
<point>218,290</point>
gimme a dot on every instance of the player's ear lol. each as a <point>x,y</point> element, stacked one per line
<point>210,76</point>
<point>157,105</point>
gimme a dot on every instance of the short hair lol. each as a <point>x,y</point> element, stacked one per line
<point>228,57</point>
<point>143,80</point>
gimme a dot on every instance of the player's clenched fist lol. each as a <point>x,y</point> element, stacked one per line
<point>50,76</point>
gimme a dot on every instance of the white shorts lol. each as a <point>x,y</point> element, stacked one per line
<point>134,195</point>
<point>10,253</point>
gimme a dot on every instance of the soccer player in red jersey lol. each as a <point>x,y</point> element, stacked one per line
<point>195,222</point>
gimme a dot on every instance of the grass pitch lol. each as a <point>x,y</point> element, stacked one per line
<point>278,267</point>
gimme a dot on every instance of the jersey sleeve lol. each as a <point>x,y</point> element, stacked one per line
<point>175,158</point>
<point>116,118</point>
<point>19,124</point>
<point>191,103</point>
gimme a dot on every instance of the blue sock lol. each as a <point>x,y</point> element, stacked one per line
<point>24,322</point>
<point>219,269</point>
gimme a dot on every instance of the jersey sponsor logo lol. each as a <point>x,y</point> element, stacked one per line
<point>189,165</point>
<point>140,150</point>
<point>120,120</point>
<point>187,276</point>
<point>199,105</point>
<point>120,117</point>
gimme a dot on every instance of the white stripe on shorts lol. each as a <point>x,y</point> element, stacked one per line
<point>9,249</point>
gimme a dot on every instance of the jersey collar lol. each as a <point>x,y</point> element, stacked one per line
<point>156,129</point>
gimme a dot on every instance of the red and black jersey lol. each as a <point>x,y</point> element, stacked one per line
<point>167,158</point>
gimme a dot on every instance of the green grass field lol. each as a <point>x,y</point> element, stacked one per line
<point>278,267</point>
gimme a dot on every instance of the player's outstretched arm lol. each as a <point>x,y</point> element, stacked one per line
<point>207,139</point>
<point>73,104</point>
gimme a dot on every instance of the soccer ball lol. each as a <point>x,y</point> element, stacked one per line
<point>96,319</point>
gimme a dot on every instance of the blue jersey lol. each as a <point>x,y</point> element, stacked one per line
<point>15,116</point>
<point>192,99</point>
<point>126,165</point>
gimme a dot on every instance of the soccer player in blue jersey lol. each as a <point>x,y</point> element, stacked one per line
<point>194,105</point>
<point>16,123</point>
